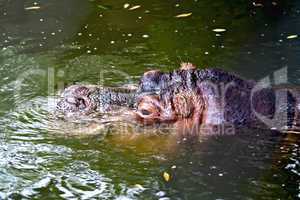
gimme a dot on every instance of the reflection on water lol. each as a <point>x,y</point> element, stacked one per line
<point>45,46</point>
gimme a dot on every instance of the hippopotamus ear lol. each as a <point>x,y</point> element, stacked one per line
<point>152,73</point>
<point>150,81</point>
<point>187,66</point>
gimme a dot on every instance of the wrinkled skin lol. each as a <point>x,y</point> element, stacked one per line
<point>189,98</point>
<point>79,100</point>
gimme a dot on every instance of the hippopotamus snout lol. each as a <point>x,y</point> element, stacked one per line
<point>76,99</point>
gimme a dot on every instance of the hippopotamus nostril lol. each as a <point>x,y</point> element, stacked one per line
<point>81,104</point>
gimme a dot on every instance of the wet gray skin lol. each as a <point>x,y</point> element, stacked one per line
<point>188,98</point>
<point>78,100</point>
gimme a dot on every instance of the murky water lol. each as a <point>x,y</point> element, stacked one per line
<point>45,45</point>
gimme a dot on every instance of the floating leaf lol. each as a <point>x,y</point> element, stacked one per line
<point>134,7</point>
<point>183,15</point>
<point>126,5</point>
<point>291,36</point>
<point>257,4</point>
<point>33,8</point>
<point>166,176</point>
<point>219,30</point>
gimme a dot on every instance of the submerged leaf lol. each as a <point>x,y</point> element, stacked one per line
<point>102,7</point>
<point>183,15</point>
<point>140,187</point>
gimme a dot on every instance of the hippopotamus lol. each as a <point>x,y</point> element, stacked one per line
<point>190,99</point>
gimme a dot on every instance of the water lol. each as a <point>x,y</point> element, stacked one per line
<point>51,44</point>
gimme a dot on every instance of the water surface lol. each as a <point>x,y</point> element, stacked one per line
<point>46,45</point>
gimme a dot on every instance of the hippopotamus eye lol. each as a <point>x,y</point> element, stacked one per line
<point>145,112</point>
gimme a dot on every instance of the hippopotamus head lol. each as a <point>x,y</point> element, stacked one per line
<point>160,98</point>
<point>167,98</point>
<point>76,100</point>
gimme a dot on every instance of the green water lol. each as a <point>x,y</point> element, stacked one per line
<point>46,45</point>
